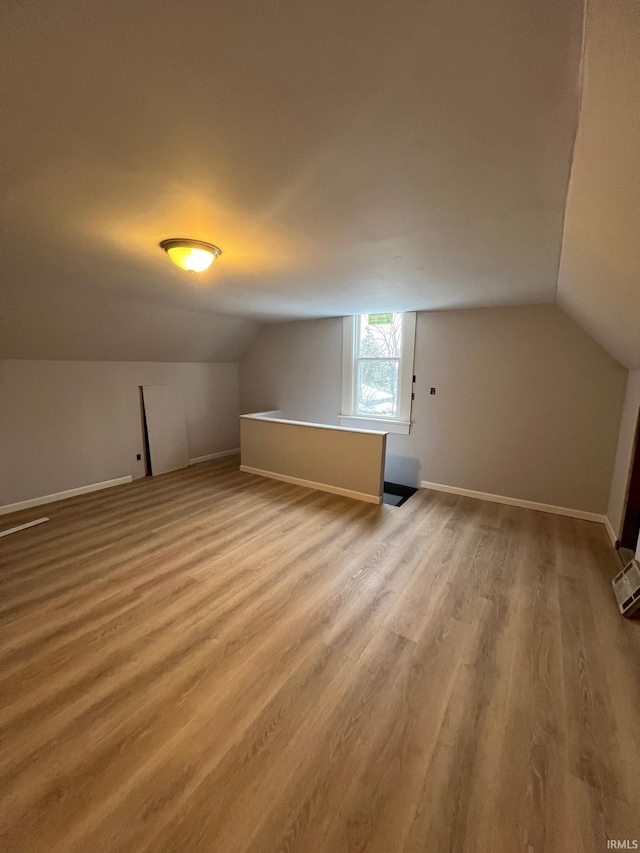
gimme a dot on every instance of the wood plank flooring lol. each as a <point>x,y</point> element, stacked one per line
<point>211,661</point>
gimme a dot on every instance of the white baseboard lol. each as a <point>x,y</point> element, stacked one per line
<point>60,496</point>
<point>610,531</point>
<point>501,499</point>
<point>310,484</point>
<point>23,526</point>
<point>217,455</point>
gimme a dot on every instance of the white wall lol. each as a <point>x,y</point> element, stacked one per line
<point>297,364</point>
<point>619,483</point>
<point>526,405</point>
<point>66,424</point>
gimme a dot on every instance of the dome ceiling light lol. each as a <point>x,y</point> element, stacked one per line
<point>191,255</point>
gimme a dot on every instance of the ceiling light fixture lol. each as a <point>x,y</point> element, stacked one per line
<point>191,255</point>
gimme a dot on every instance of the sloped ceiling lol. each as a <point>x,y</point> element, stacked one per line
<point>599,279</point>
<point>51,323</point>
<point>387,154</point>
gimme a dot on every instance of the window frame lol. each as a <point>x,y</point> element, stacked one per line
<point>401,423</point>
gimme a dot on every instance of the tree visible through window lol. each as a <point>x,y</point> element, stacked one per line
<point>377,364</point>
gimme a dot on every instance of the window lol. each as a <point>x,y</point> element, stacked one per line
<point>377,371</point>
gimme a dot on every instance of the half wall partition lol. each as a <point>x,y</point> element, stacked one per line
<point>335,459</point>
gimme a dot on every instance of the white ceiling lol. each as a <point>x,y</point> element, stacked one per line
<point>599,280</point>
<point>346,156</point>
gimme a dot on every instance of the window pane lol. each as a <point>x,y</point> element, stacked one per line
<point>380,336</point>
<point>377,392</point>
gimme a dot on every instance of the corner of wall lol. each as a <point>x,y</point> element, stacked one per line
<point>624,451</point>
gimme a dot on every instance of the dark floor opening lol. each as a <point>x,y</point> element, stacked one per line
<point>395,494</point>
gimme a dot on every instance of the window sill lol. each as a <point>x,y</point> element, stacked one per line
<point>383,424</point>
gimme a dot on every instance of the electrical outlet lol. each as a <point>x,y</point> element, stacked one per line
<point>138,456</point>
<point>433,391</point>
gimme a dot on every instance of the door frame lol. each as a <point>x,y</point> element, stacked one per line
<point>631,515</point>
<point>145,437</point>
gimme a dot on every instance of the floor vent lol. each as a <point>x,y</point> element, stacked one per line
<point>626,586</point>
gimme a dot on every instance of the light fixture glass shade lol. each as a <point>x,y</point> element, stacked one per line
<point>191,255</point>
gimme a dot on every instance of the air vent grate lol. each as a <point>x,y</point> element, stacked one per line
<point>626,587</point>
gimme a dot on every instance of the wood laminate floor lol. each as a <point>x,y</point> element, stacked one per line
<point>210,661</point>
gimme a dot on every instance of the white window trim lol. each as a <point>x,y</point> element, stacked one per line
<point>401,423</point>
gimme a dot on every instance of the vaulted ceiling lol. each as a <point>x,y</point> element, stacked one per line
<point>599,280</point>
<point>345,156</point>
